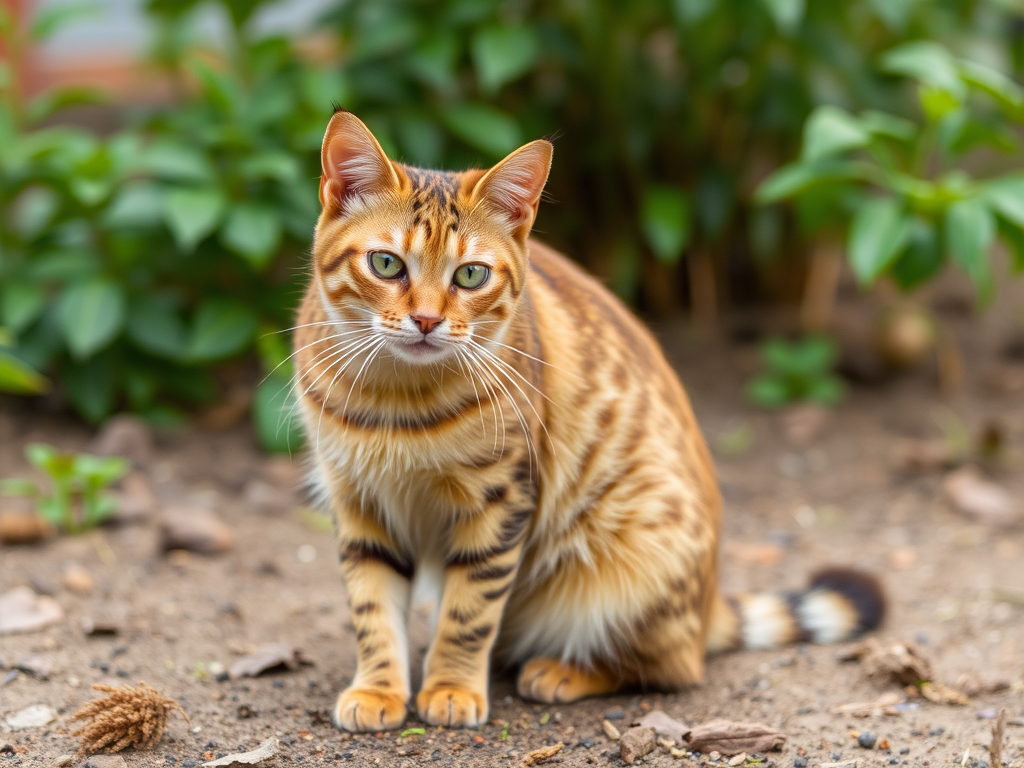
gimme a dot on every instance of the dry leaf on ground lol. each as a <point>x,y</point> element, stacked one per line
<point>663,725</point>
<point>637,742</point>
<point>265,750</point>
<point>128,717</point>
<point>940,693</point>
<point>540,755</point>
<point>731,738</point>
<point>22,610</point>
<point>900,662</point>
<point>268,657</point>
<point>987,502</point>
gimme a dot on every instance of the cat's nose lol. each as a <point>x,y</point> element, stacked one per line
<point>426,323</point>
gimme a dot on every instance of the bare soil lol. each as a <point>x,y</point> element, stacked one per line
<point>956,586</point>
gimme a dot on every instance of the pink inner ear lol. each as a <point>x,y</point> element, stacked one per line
<point>353,164</point>
<point>515,185</point>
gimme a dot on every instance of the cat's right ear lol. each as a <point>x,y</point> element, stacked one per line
<point>353,162</point>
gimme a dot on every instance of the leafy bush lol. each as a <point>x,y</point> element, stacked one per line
<point>134,265</point>
<point>796,372</point>
<point>904,187</point>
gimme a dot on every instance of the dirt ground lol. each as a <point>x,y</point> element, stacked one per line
<point>956,586</point>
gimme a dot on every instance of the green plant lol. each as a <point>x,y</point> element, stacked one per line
<point>914,195</point>
<point>76,500</point>
<point>797,371</point>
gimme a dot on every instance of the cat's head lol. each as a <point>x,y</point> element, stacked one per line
<point>419,262</point>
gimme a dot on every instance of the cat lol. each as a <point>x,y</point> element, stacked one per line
<point>484,416</point>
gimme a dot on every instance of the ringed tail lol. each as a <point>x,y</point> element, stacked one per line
<point>840,604</point>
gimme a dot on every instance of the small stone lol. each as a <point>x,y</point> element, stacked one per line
<point>739,759</point>
<point>63,761</point>
<point>194,529</point>
<point>615,714</point>
<point>610,730</point>
<point>31,717</point>
<point>78,580</point>
<point>867,740</point>
<point>800,762</point>
<point>904,750</point>
<point>637,742</point>
<point>714,755</point>
<point>23,528</point>
<point>105,761</point>
<point>22,610</point>
<point>587,742</point>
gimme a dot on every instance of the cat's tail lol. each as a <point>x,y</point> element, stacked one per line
<point>839,604</point>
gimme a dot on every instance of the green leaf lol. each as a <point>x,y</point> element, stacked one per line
<point>91,314</point>
<point>997,85</point>
<point>91,387</point>
<point>1006,196</point>
<point>884,124</point>
<point>135,204</point>
<point>21,302</point>
<point>155,326</point>
<point>218,88</point>
<point>276,419</point>
<point>893,13</point>
<point>692,11</point>
<point>175,161</point>
<point>49,19</point>
<point>768,391</point>
<point>501,54</point>
<point>1013,236</point>
<point>222,328</point>
<point>879,232</point>
<point>483,127</point>
<point>192,214</point>
<point>922,259</point>
<point>665,221</point>
<point>970,230</point>
<point>253,231</point>
<point>17,486</point>
<point>34,211</point>
<point>830,131</point>
<point>793,179</point>
<point>787,14</point>
<point>927,62</point>
<point>18,378</point>
<point>826,390</point>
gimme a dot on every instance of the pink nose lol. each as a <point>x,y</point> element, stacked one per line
<point>426,323</point>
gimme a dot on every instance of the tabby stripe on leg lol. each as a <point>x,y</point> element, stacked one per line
<point>353,552</point>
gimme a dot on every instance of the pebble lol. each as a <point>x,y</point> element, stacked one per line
<point>937,731</point>
<point>194,529</point>
<point>610,730</point>
<point>905,751</point>
<point>78,580</point>
<point>587,742</point>
<point>637,742</point>
<point>867,740</point>
<point>739,759</point>
<point>800,762</point>
<point>615,714</point>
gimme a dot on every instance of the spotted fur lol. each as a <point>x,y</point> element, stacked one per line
<point>536,464</point>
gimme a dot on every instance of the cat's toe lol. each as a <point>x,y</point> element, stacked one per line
<point>452,707</point>
<point>550,681</point>
<point>362,709</point>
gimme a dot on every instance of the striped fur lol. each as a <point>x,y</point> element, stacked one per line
<point>533,460</point>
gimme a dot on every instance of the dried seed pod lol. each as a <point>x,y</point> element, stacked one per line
<point>128,717</point>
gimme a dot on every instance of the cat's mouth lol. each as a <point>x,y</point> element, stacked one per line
<point>420,351</point>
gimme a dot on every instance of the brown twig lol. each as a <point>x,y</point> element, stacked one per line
<point>995,749</point>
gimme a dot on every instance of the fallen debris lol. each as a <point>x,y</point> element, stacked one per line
<point>972,684</point>
<point>264,751</point>
<point>883,705</point>
<point>902,662</point>
<point>664,726</point>
<point>637,742</point>
<point>940,693</point>
<point>610,730</point>
<point>731,738</point>
<point>995,748</point>
<point>31,717</point>
<point>128,717</point>
<point>105,761</point>
<point>538,756</point>
<point>23,528</point>
<point>977,497</point>
<point>22,610</point>
<point>194,529</point>
<point>268,657</point>
<point>36,665</point>
<point>78,580</point>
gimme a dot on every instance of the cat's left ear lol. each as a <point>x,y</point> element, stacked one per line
<point>513,187</point>
<point>354,164</point>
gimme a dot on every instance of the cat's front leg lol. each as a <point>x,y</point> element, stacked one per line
<point>377,577</point>
<point>479,572</point>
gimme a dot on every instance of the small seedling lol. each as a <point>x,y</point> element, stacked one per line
<point>77,500</point>
<point>796,372</point>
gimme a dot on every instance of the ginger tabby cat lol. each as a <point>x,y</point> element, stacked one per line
<point>484,416</point>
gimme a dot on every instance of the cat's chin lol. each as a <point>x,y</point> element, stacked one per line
<point>420,352</point>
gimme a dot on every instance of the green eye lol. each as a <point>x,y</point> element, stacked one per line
<point>386,265</point>
<point>471,275</point>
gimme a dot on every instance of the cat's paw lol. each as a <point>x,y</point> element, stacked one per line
<point>452,707</point>
<point>550,681</point>
<point>365,709</point>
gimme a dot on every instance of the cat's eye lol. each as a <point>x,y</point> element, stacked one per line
<point>386,265</point>
<point>471,275</point>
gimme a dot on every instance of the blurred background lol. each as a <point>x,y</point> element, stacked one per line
<point>740,163</point>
